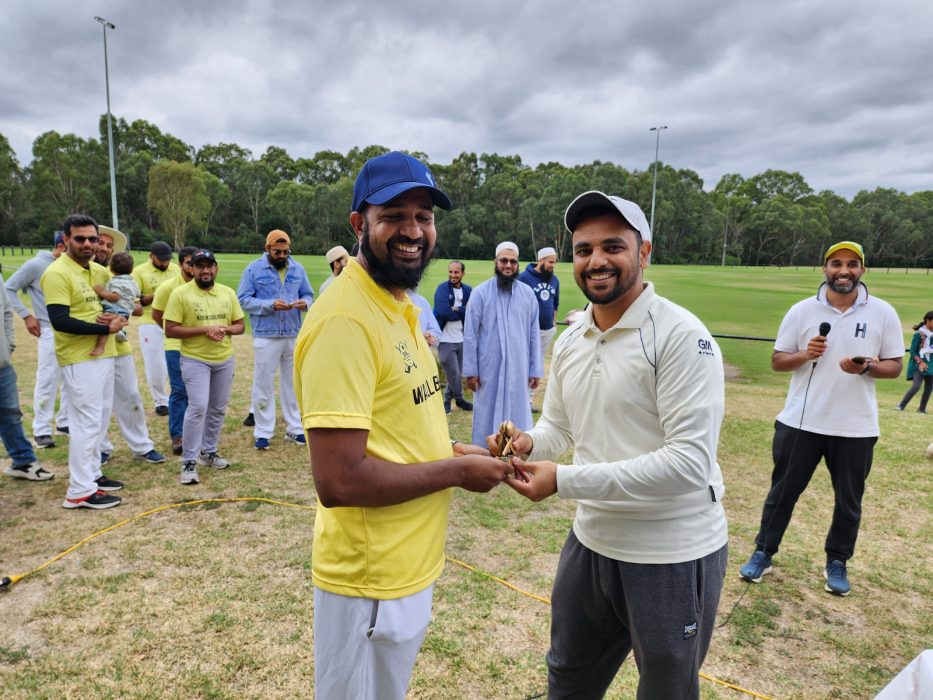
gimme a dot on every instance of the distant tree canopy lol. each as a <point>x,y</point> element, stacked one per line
<point>221,196</point>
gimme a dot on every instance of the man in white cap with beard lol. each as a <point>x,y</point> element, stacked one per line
<point>544,283</point>
<point>337,258</point>
<point>501,347</point>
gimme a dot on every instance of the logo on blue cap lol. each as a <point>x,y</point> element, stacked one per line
<point>385,177</point>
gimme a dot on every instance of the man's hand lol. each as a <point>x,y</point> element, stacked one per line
<point>107,317</point>
<point>850,367</point>
<point>521,443</point>
<point>481,474</point>
<point>216,333</point>
<point>431,338</point>
<point>816,347</point>
<point>117,323</point>
<point>279,305</point>
<point>32,326</point>
<point>472,383</point>
<point>541,479</point>
<point>468,448</point>
<point>533,382</point>
<point>301,305</point>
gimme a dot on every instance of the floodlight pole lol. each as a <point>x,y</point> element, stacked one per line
<point>654,186</point>
<point>105,25</point>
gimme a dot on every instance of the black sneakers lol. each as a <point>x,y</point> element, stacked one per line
<point>105,484</point>
<point>96,501</point>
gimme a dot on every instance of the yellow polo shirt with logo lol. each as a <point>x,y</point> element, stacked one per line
<point>361,362</point>
<point>149,277</point>
<point>68,283</point>
<point>189,305</point>
<point>160,301</point>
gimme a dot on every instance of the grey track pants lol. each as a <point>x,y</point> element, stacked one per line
<point>208,387</point>
<point>602,609</point>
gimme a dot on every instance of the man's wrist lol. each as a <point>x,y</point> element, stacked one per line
<point>867,368</point>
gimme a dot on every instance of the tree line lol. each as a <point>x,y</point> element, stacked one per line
<point>222,196</point>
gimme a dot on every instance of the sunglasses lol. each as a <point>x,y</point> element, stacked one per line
<point>277,252</point>
<point>85,239</point>
<point>507,261</point>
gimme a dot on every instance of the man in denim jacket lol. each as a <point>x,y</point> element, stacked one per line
<point>274,291</point>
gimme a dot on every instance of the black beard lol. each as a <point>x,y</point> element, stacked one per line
<point>546,274</point>
<point>839,289</point>
<point>385,274</point>
<point>105,261</point>
<point>203,284</point>
<point>623,284</point>
<point>505,280</point>
<point>278,263</point>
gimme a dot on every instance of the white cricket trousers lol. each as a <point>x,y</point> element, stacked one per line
<point>48,379</point>
<point>270,354</point>
<point>89,387</point>
<point>152,345</point>
<point>365,649</point>
<point>128,408</point>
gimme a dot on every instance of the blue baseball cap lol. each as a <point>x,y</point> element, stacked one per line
<point>387,176</point>
<point>59,238</point>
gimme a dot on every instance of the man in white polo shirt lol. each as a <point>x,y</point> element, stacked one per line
<point>636,388</point>
<point>836,343</point>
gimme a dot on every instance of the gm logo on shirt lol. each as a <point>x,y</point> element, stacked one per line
<point>706,347</point>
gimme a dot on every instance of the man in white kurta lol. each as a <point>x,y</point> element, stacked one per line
<point>502,348</point>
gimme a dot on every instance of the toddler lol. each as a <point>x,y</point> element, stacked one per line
<point>118,295</point>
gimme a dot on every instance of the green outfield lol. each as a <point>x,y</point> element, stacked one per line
<point>214,600</point>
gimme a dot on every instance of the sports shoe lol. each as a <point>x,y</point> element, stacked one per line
<point>249,421</point>
<point>177,447</point>
<point>837,582</point>
<point>212,459</point>
<point>152,457</point>
<point>63,429</point>
<point>446,405</point>
<point>161,410</point>
<point>756,567</point>
<point>189,473</point>
<point>297,438</point>
<point>32,472</point>
<point>104,458</point>
<point>898,408</point>
<point>261,444</point>
<point>97,501</point>
<point>464,405</point>
<point>105,484</point>
<point>44,441</point>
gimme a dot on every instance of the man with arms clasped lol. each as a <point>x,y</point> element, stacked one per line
<point>636,388</point>
<point>381,457</point>
<point>502,347</point>
<point>274,290</point>
<point>450,301</point>
<point>831,412</point>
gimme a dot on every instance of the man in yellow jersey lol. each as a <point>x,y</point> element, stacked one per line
<point>149,276</point>
<point>204,315</point>
<point>77,317</point>
<point>178,398</point>
<point>371,402</point>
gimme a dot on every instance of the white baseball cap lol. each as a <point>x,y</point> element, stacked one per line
<point>630,211</point>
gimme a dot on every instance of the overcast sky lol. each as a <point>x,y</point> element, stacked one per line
<point>840,91</point>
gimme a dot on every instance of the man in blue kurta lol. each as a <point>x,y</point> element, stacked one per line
<point>502,347</point>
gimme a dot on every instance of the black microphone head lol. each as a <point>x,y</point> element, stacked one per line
<point>824,328</point>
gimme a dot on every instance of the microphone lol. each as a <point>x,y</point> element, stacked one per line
<point>824,331</point>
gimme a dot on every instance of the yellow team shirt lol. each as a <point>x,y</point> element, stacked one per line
<point>190,305</point>
<point>149,277</point>
<point>160,301</point>
<point>66,282</point>
<point>361,362</point>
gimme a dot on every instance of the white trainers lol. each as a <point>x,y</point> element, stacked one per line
<point>189,473</point>
<point>32,472</point>
<point>212,459</point>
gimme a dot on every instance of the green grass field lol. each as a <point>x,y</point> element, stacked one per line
<point>214,600</point>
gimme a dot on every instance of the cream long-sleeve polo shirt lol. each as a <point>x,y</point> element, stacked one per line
<point>641,404</point>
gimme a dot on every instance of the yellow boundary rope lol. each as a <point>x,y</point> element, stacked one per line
<point>8,582</point>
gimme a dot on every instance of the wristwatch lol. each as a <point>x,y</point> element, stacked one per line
<point>867,368</point>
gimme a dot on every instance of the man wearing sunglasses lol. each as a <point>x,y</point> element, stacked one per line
<point>501,348</point>
<point>77,318</point>
<point>274,290</point>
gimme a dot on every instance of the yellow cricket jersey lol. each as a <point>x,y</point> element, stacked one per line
<point>361,362</point>
<point>149,277</point>
<point>66,282</point>
<point>160,301</point>
<point>190,305</point>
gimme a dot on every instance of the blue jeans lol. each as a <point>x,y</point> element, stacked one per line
<point>11,420</point>
<point>178,399</point>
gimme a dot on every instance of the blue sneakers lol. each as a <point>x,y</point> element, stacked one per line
<point>297,438</point>
<point>837,582</point>
<point>152,457</point>
<point>261,444</point>
<point>756,567</point>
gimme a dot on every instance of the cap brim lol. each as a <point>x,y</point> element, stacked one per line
<point>596,198</point>
<point>390,192</point>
